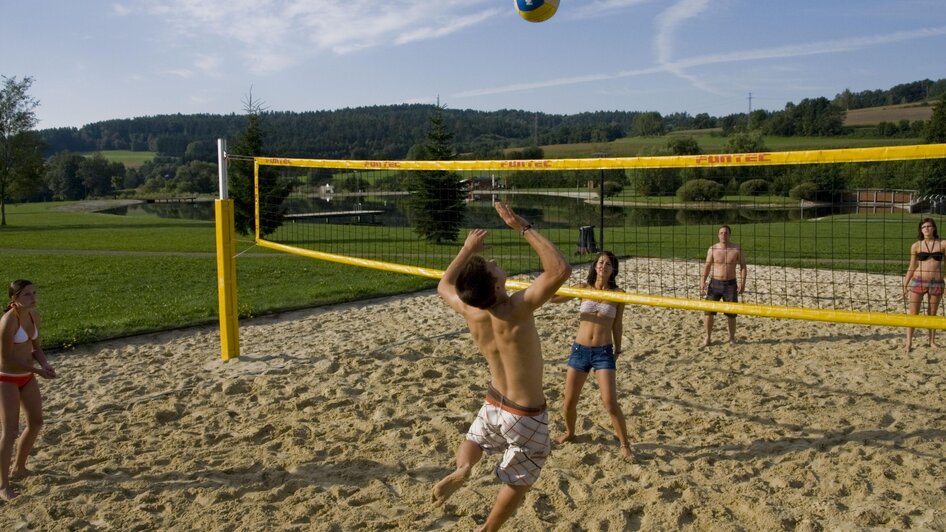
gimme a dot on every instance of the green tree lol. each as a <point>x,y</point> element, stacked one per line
<point>936,130</point>
<point>684,146</point>
<point>195,176</point>
<point>20,149</point>
<point>26,175</point>
<point>437,206</point>
<point>62,176</point>
<point>748,142</point>
<point>96,173</point>
<point>817,117</point>
<point>648,125</point>
<point>932,174</point>
<point>273,191</point>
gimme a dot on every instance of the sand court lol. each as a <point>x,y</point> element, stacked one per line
<point>343,418</point>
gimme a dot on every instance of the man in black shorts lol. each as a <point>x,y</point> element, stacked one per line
<point>721,260</point>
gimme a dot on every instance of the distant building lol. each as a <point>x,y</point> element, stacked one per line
<point>483,182</point>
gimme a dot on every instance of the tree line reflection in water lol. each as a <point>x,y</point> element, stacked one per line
<point>559,212</point>
<point>550,211</point>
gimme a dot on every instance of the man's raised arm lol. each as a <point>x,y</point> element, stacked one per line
<point>447,287</point>
<point>555,268</point>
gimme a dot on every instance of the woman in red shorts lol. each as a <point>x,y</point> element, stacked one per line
<point>20,352</point>
<point>925,275</point>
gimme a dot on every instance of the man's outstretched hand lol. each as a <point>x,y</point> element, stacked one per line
<point>476,240</point>
<point>512,219</point>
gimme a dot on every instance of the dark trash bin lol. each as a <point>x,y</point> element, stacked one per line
<point>586,239</point>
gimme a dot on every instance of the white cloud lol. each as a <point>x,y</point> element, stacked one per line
<point>277,34</point>
<point>815,48</point>
<point>208,64</point>
<point>780,52</point>
<point>453,26</point>
<point>667,23</point>
<point>121,10</point>
<point>180,73</point>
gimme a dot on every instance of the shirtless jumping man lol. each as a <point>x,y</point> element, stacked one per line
<point>513,419</point>
<point>722,259</point>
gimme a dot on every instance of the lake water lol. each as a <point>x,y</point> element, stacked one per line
<point>554,211</point>
<point>202,210</point>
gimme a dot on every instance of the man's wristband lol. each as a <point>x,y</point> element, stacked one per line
<point>528,227</point>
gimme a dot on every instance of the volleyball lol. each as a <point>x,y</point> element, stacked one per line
<point>536,10</point>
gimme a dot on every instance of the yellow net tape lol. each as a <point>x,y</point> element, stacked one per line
<point>845,155</point>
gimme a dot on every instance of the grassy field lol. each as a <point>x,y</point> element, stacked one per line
<point>711,141</point>
<point>131,159</point>
<point>888,113</point>
<point>101,276</point>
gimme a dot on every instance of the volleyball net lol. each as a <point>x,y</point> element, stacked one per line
<point>826,233</point>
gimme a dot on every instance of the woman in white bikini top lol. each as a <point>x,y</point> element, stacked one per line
<point>598,308</point>
<point>21,358</point>
<point>597,346</point>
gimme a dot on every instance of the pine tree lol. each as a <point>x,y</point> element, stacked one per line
<point>437,200</point>
<point>273,191</point>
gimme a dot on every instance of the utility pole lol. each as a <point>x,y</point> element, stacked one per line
<point>750,103</point>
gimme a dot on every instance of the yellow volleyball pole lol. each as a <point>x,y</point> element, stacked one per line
<point>226,263</point>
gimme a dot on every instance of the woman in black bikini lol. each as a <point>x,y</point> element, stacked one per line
<point>20,351</point>
<point>924,275</point>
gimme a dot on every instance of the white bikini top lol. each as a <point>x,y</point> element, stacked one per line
<point>20,337</point>
<point>601,308</point>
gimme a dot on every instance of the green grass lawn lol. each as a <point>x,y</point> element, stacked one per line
<point>131,159</point>
<point>101,276</point>
<point>713,143</point>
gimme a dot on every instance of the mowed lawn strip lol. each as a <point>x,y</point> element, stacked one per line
<point>102,276</point>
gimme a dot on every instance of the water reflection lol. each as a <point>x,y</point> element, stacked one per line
<point>203,210</point>
<point>391,210</point>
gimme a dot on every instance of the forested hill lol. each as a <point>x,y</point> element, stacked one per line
<point>386,132</point>
<point>389,132</point>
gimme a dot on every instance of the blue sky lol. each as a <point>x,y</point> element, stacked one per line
<point>97,60</point>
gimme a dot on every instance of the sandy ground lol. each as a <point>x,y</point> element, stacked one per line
<point>343,418</point>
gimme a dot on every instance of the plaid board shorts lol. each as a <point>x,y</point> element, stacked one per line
<point>522,435</point>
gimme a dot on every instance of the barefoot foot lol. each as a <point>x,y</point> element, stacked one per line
<point>564,438</point>
<point>706,342</point>
<point>448,485</point>
<point>627,454</point>
<point>7,494</point>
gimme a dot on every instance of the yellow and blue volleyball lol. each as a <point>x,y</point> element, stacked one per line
<point>536,10</point>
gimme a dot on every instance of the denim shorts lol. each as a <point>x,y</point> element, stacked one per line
<point>584,358</point>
